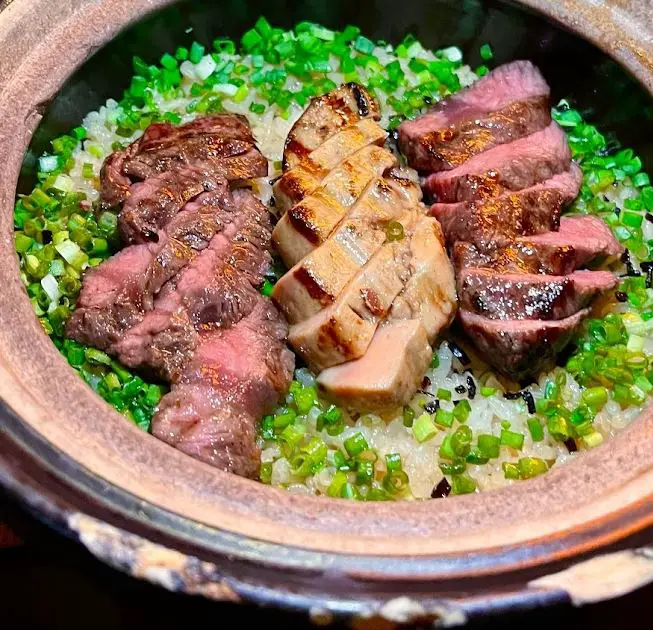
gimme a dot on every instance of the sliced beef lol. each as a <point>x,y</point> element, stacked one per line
<point>324,117</point>
<point>117,293</point>
<point>514,166</point>
<point>495,222</point>
<point>509,103</point>
<point>234,160</point>
<point>302,180</point>
<point>387,375</point>
<point>308,224</point>
<point>519,348</point>
<point>529,296</point>
<point>589,236</point>
<point>517,257</point>
<point>567,184</point>
<point>218,286</point>
<point>152,203</point>
<point>220,145</point>
<point>235,376</point>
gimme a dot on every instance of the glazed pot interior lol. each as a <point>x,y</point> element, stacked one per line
<point>74,434</point>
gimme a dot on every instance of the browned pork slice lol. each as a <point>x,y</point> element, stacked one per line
<point>152,203</point>
<point>517,257</point>
<point>496,221</point>
<point>216,288</point>
<point>567,184</point>
<point>236,375</point>
<point>387,375</point>
<point>530,296</point>
<point>429,294</point>
<point>324,117</point>
<point>589,236</point>
<point>308,224</point>
<point>220,145</point>
<point>344,330</point>
<point>115,294</point>
<point>519,348</point>
<point>514,166</point>
<point>303,179</point>
<point>509,103</point>
<point>317,280</point>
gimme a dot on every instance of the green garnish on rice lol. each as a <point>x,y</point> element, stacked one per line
<point>478,441</point>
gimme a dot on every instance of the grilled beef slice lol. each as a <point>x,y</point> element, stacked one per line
<point>514,166</point>
<point>590,237</point>
<point>529,296</point>
<point>235,376</point>
<point>519,348</point>
<point>516,257</point>
<point>220,145</point>
<point>117,293</point>
<point>218,287</point>
<point>509,103</point>
<point>495,222</point>
<point>566,184</point>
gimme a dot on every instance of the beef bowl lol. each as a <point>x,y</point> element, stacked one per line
<point>334,310</point>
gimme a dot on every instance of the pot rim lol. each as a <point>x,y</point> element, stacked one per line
<point>607,492</point>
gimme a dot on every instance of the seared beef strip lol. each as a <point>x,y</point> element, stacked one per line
<point>324,117</point>
<point>235,376</point>
<point>153,202</point>
<point>509,103</point>
<point>220,145</point>
<point>217,287</point>
<point>590,237</point>
<point>517,257</point>
<point>529,296</point>
<point>519,348</point>
<point>520,164</point>
<point>495,222</point>
<point>117,293</point>
<point>566,184</point>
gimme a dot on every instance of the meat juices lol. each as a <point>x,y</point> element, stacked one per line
<point>363,308</point>
<point>500,174</point>
<point>182,300</point>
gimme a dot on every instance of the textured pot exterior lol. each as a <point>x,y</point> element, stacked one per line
<point>78,463</point>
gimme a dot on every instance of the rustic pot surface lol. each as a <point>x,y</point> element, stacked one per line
<point>70,457</point>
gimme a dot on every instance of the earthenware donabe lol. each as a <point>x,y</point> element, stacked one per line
<point>160,515</point>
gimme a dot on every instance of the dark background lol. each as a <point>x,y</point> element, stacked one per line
<point>51,582</point>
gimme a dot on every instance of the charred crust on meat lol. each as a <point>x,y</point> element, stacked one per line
<point>361,100</point>
<point>372,301</point>
<point>312,287</point>
<point>302,219</point>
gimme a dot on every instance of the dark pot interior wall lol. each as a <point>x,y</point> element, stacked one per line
<point>575,69</point>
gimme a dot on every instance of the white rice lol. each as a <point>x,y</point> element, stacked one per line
<point>420,461</point>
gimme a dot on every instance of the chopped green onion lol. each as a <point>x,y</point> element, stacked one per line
<point>512,439</point>
<point>394,231</point>
<point>488,445</point>
<point>462,484</point>
<point>355,444</point>
<point>424,428</point>
<point>535,429</point>
<point>444,418</point>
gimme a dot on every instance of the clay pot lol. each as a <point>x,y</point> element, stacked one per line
<point>156,513</point>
